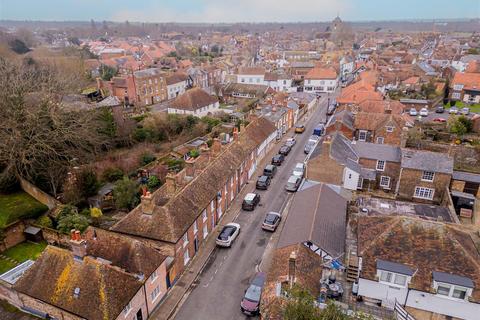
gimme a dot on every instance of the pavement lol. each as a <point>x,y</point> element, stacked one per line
<point>216,279</point>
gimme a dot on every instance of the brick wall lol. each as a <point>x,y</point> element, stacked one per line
<point>13,235</point>
<point>38,194</point>
<point>410,179</point>
<point>392,138</point>
<point>392,170</point>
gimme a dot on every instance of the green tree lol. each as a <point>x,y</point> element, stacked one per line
<point>112,174</point>
<point>44,221</point>
<point>87,183</point>
<point>300,305</point>
<point>153,183</point>
<point>125,193</point>
<point>107,72</point>
<point>72,221</point>
<point>468,123</point>
<point>147,158</point>
<point>457,127</point>
<point>109,127</point>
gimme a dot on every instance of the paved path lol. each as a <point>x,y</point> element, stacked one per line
<point>218,289</point>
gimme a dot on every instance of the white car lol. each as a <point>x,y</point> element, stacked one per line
<point>413,112</point>
<point>228,234</point>
<point>290,142</point>
<point>453,110</point>
<point>424,112</point>
<point>299,170</point>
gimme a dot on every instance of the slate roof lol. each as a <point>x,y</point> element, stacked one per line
<point>466,176</point>
<point>452,279</point>
<point>251,71</point>
<point>427,161</point>
<point>422,245</point>
<point>176,78</point>
<point>341,150</point>
<point>147,73</point>
<point>343,116</point>
<point>377,151</point>
<point>104,290</point>
<point>317,214</point>
<point>170,221</point>
<point>394,267</point>
<point>193,99</point>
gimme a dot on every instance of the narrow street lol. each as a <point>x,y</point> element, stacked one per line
<point>220,287</point>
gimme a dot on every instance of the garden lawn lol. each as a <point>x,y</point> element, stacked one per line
<point>21,253</point>
<point>473,107</point>
<point>19,205</point>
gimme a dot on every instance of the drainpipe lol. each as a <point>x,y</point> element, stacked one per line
<point>406,297</point>
<point>146,301</point>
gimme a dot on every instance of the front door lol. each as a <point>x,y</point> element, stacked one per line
<point>139,315</point>
<point>195,244</point>
<point>167,279</point>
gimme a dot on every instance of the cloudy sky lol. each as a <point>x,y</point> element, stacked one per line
<point>236,10</point>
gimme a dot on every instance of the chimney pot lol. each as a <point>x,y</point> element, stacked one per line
<point>77,235</point>
<point>216,147</point>
<point>292,268</point>
<point>171,183</point>
<point>147,203</point>
<point>72,234</point>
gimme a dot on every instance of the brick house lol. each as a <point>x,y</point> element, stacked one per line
<point>179,216</point>
<point>150,86</point>
<point>358,92</point>
<point>122,87</point>
<point>424,176</point>
<point>105,276</point>
<point>465,87</point>
<point>342,122</point>
<point>380,128</point>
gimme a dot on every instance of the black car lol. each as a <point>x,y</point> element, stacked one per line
<point>278,159</point>
<point>263,182</point>
<point>270,170</point>
<point>250,201</point>
<point>440,109</point>
<point>285,150</point>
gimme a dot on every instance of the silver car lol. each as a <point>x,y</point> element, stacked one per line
<point>293,183</point>
<point>228,234</point>
<point>271,222</point>
<point>299,170</point>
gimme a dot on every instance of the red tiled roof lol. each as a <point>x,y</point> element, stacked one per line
<point>468,80</point>
<point>321,73</point>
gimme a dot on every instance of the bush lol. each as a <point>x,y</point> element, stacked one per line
<point>96,213</point>
<point>65,210</point>
<point>194,153</point>
<point>175,164</point>
<point>125,194</point>
<point>147,158</point>
<point>112,174</point>
<point>72,221</point>
<point>453,102</point>
<point>44,221</point>
<point>87,183</point>
<point>153,183</point>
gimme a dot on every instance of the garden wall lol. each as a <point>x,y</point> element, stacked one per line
<point>12,235</point>
<point>38,194</point>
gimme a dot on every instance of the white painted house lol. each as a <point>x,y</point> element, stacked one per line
<point>194,102</point>
<point>251,75</point>
<point>320,80</point>
<point>176,85</point>
<point>258,76</point>
<point>427,267</point>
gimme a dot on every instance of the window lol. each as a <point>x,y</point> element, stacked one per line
<point>456,95</point>
<point>423,193</point>
<point>195,227</point>
<point>127,308</point>
<point>204,215</point>
<point>155,293</point>
<point>360,183</point>
<point>389,129</point>
<point>385,182</point>
<point>380,165</point>
<point>212,206</point>
<point>380,140</point>
<point>386,276</point>
<point>154,276</point>
<point>401,280</point>
<point>458,87</point>
<point>205,231</point>
<point>186,257</point>
<point>459,293</point>
<point>362,135</point>
<point>185,240</point>
<point>443,290</point>
<point>428,176</point>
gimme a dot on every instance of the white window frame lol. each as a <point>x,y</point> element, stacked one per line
<point>186,257</point>
<point>385,185</point>
<point>381,167</point>
<point>360,183</point>
<point>195,227</point>
<point>392,278</point>
<point>380,140</point>
<point>424,193</point>
<point>185,239</point>
<point>204,215</point>
<point>451,289</point>
<point>155,293</point>
<point>153,276</point>
<point>389,128</point>
<point>364,132</point>
<point>205,231</point>
<point>456,95</point>
<point>428,176</point>
<point>127,308</point>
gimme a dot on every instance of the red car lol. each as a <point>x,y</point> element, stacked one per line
<point>250,304</point>
<point>440,120</point>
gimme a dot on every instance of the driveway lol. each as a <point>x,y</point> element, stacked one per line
<point>221,285</point>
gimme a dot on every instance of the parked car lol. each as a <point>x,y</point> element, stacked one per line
<point>465,111</point>
<point>250,303</point>
<point>424,112</point>
<point>440,109</point>
<point>263,182</point>
<point>228,234</point>
<point>299,128</point>
<point>270,170</point>
<point>293,183</point>
<point>439,120</point>
<point>313,138</point>
<point>331,109</point>
<point>250,201</point>
<point>319,129</point>
<point>284,150</point>
<point>308,147</point>
<point>413,112</point>
<point>271,221</point>
<point>299,170</point>
<point>278,159</point>
<point>453,110</point>
<point>290,142</point>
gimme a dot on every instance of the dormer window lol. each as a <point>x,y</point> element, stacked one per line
<point>389,129</point>
<point>394,274</point>
<point>452,286</point>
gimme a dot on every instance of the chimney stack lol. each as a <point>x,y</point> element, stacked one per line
<point>190,168</point>
<point>235,134</point>
<point>170,183</point>
<point>147,203</point>
<point>242,126</point>
<point>404,137</point>
<point>292,260</point>
<point>216,147</point>
<point>78,245</point>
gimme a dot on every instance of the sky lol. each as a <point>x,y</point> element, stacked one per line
<point>236,10</point>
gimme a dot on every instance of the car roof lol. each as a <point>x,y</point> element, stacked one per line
<point>270,167</point>
<point>299,165</point>
<point>263,178</point>
<point>259,279</point>
<point>250,196</point>
<point>273,212</point>
<point>293,179</point>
